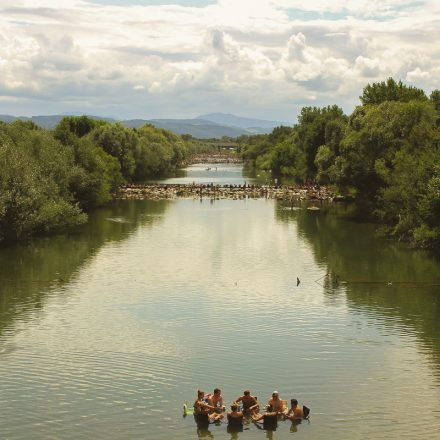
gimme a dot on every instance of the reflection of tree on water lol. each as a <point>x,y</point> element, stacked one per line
<point>377,275</point>
<point>29,272</point>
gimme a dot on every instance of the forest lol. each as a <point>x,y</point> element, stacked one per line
<point>385,156</point>
<point>50,179</point>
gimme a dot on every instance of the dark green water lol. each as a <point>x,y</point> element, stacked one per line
<point>106,332</point>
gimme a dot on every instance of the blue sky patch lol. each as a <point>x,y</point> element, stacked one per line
<point>309,15</point>
<point>303,15</point>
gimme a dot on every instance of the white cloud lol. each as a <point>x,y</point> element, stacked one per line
<point>367,67</point>
<point>417,75</point>
<point>263,58</point>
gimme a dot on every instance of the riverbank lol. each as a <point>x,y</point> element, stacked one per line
<point>157,191</point>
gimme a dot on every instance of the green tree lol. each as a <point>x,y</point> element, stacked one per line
<point>327,154</point>
<point>383,157</point>
<point>76,125</point>
<point>390,90</point>
<point>119,142</point>
<point>434,97</point>
<point>316,128</point>
<point>95,176</point>
<point>34,184</point>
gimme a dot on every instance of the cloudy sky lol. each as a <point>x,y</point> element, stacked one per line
<point>182,58</point>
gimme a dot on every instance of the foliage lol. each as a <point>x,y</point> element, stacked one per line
<point>75,126</point>
<point>292,151</point>
<point>159,152</point>
<point>318,127</point>
<point>434,97</point>
<point>121,143</point>
<point>144,152</point>
<point>390,90</point>
<point>386,154</point>
<point>34,183</point>
<point>95,174</point>
<point>47,179</point>
<point>258,148</point>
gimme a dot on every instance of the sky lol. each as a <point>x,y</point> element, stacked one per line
<point>182,58</point>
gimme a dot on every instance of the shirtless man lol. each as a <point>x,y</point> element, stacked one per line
<point>247,400</point>
<point>295,412</point>
<point>269,417</point>
<point>235,417</point>
<point>275,403</point>
<point>216,400</point>
<point>201,408</point>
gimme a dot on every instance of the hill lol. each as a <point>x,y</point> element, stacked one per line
<point>213,125</point>
<point>259,125</point>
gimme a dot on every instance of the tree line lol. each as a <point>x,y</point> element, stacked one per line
<point>49,179</point>
<point>385,155</point>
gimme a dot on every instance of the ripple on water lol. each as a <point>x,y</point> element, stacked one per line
<point>207,297</point>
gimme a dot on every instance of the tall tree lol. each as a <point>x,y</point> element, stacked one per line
<point>390,90</point>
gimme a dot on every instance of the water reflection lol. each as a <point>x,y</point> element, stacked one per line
<point>234,431</point>
<point>375,274</point>
<point>28,272</point>
<point>188,294</point>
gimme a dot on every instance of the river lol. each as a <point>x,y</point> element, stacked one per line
<point>105,332</point>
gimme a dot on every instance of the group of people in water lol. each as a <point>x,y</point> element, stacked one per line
<point>210,408</point>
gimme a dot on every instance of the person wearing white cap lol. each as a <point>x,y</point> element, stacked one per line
<point>275,403</point>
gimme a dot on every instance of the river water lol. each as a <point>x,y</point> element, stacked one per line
<point>104,333</point>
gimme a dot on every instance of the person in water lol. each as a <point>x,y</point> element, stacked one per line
<point>268,418</point>
<point>276,403</point>
<point>216,400</point>
<point>295,412</point>
<point>203,409</point>
<point>235,417</point>
<point>247,400</point>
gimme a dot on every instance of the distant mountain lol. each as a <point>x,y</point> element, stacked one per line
<point>238,121</point>
<point>197,127</point>
<point>9,118</point>
<point>214,125</point>
<point>47,121</point>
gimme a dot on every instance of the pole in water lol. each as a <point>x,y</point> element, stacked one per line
<point>297,281</point>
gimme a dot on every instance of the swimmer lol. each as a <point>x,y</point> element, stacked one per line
<point>295,412</point>
<point>246,400</point>
<point>204,409</point>
<point>276,403</point>
<point>234,416</point>
<point>268,418</point>
<point>216,400</point>
<point>200,406</point>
